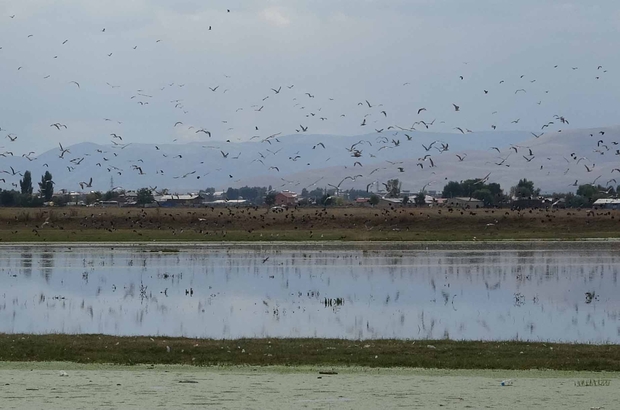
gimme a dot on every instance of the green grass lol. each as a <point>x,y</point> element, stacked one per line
<point>442,354</point>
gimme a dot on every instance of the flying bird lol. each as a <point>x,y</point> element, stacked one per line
<point>88,184</point>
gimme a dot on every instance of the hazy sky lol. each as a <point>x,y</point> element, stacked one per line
<point>341,52</point>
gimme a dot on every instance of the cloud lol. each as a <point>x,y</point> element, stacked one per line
<point>275,16</point>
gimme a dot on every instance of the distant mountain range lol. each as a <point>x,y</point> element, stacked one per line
<point>555,161</point>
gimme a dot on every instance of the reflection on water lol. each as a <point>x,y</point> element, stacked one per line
<point>559,293</point>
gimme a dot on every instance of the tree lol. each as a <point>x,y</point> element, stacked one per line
<point>304,193</point>
<point>452,189</point>
<point>587,191</point>
<point>326,199</point>
<point>46,186</point>
<point>144,196</point>
<point>93,197</point>
<point>525,189</point>
<point>270,198</point>
<point>374,200</point>
<point>484,195</point>
<point>7,198</point>
<point>232,194</point>
<point>420,198</point>
<point>26,183</point>
<point>405,200</point>
<point>392,187</point>
<point>111,195</point>
<point>316,193</point>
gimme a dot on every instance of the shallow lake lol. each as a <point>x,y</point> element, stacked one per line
<point>512,291</point>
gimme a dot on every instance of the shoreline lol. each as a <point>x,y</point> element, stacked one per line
<point>381,353</point>
<point>192,244</point>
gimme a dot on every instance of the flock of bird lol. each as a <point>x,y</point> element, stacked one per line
<point>371,117</point>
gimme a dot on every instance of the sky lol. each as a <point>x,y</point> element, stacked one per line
<point>213,65</point>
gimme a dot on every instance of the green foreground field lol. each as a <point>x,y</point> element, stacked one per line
<point>440,354</point>
<point>303,224</point>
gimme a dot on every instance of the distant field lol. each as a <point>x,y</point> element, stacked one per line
<point>303,224</point>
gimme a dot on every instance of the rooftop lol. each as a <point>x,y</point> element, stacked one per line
<point>606,201</point>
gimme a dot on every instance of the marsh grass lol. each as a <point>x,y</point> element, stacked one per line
<point>304,224</point>
<point>445,354</point>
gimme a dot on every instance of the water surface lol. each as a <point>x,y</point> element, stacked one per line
<point>555,291</point>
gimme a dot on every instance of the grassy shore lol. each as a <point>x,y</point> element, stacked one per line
<point>442,354</point>
<point>304,224</point>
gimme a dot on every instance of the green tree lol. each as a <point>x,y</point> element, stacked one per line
<point>144,196</point>
<point>452,189</point>
<point>93,197</point>
<point>392,187</point>
<point>587,191</point>
<point>326,199</point>
<point>374,200</point>
<point>232,194</point>
<point>405,200</point>
<point>46,187</point>
<point>111,195</point>
<point>7,198</point>
<point>270,198</point>
<point>485,196</point>
<point>26,183</point>
<point>420,199</point>
<point>524,189</point>
<point>304,193</point>
<point>316,193</point>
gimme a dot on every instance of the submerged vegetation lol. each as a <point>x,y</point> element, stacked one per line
<point>442,354</point>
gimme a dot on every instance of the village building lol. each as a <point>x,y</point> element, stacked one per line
<point>186,200</point>
<point>607,203</point>
<point>464,202</point>
<point>286,198</point>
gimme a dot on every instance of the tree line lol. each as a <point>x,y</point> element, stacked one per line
<point>490,193</point>
<point>24,196</point>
